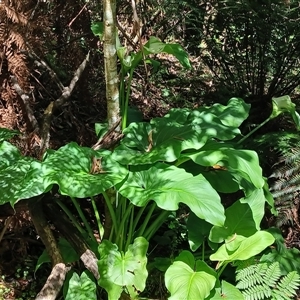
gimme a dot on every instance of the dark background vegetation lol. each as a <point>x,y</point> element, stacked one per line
<point>247,49</point>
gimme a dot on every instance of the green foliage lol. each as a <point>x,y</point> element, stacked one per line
<point>226,291</point>
<point>6,134</point>
<point>82,287</point>
<point>189,279</point>
<point>288,258</point>
<point>178,158</point>
<point>123,271</point>
<point>242,248</point>
<point>265,281</point>
<point>251,47</point>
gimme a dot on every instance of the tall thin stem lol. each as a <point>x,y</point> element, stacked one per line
<point>111,212</point>
<point>71,217</point>
<point>255,129</point>
<point>83,218</point>
<point>100,227</point>
<point>155,225</point>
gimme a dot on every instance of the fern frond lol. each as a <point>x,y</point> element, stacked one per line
<point>273,274</point>
<point>15,16</point>
<point>289,283</point>
<point>286,170</point>
<point>252,275</point>
<point>15,38</point>
<point>257,292</point>
<point>263,281</point>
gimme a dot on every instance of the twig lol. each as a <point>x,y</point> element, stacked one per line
<point>137,24</point>
<point>110,138</point>
<point>84,6</point>
<point>66,93</point>
<point>28,113</point>
<point>127,37</point>
<point>41,63</point>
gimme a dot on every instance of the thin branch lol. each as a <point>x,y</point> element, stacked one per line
<point>67,91</point>
<point>84,6</point>
<point>41,63</point>
<point>138,31</point>
<point>54,105</point>
<point>28,113</point>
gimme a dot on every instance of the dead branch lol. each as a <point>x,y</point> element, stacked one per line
<point>110,138</point>
<point>73,236</point>
<point>41,63</point>
<point>57,277</point>
<point>66,93</point>
<point>54,282</point>
<point>44,231</point>
<point>32,123</point>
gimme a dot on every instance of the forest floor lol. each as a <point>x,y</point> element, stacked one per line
<point>172,86</point>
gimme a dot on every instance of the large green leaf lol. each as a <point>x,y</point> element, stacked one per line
<point>118,270</point>
<point>83,287</point>
<point>189,279</point>
<point>144,144</point>
<point>239,221</point>
<point>70,168</point>
<point>165,138</point>
<point>242,164</point>
<point>219,178</point>
<point>234,114</point>
<point>256,200</point>
<point>168,186</point>
<point>20,177</point>
<point>244,248</point>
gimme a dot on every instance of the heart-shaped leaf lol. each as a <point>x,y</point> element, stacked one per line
<point>119,270</point>
<point>83,287</point>
<point>71,167</point>
<point>168,186</point>
<point>165,138</point>
<point>242,164</point>
<point>239,221</point>
<point>20,177</point>
<point>185,283</point>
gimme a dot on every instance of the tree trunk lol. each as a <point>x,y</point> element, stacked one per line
<point>110,62</point>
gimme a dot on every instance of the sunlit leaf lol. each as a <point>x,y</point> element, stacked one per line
<point>83,287</point>
<point>239,221</point>
<point>118,270</point>
<point>168,186</point>
<point>248,247</point>
<point>71,168</point>
<point>185,283</point>
<point>227,291</point>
